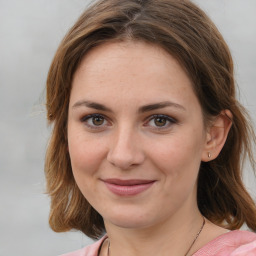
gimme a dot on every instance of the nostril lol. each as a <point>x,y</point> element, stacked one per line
<point>125,159</point>
<point>121,161</point>
<point>125,151</point>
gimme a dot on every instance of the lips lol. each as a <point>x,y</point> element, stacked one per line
<point>128,187</point>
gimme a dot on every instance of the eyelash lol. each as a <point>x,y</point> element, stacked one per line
<point>86,119</point>
<point>169,120</point>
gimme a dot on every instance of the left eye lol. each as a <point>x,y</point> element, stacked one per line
<point>160,121</point>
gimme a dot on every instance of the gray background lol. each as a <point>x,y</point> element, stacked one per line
<point>30,32</point>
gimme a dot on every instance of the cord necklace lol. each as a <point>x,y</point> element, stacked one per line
<point>190,247</point>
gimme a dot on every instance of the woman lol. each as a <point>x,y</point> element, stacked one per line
<point>148,137</point>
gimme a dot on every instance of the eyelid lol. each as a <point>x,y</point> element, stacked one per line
<point>95,127</point>
<point>86,117</point>
<point>171,121</point>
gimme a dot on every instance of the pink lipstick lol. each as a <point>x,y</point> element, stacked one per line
<point>128,187</point>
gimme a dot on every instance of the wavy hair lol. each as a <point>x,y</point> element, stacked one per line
<point>184,31</point>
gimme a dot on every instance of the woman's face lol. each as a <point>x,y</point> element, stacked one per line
<point>135,134</point>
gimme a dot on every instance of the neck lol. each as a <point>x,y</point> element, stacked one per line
<point>162,239</point>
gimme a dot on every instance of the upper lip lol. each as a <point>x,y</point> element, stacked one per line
<point>129,182</point>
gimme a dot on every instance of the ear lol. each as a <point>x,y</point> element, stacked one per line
<point>216,135</point>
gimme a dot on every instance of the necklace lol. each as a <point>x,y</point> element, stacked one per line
<point>197,235</point>
<point>190,247</point>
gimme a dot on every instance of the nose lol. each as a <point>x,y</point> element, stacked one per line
<point>125,150</point>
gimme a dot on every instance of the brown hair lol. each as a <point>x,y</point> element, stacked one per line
<point>184,31</point>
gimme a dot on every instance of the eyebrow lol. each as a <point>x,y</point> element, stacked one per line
<point>142,109</point>
<point>160,105</point>
<point>90,104</point>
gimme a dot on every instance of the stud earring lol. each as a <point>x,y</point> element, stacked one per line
<point>209,155</point>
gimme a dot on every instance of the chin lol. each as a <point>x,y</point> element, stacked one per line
<point>129,224</point>
<point>129,220</point>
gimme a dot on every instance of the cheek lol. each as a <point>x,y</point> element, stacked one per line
<point>86,153</point>
<point>86,158</point>
<point>179,155</point>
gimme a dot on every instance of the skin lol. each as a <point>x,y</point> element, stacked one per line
<point>123,140</point>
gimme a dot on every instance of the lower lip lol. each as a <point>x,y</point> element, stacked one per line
<point>128,190</point>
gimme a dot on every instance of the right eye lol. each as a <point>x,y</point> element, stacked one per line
<point>95,121</point>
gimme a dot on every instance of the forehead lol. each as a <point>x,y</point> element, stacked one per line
<point>131,71</point>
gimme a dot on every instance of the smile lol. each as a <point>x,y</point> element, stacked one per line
<point>128,187</point>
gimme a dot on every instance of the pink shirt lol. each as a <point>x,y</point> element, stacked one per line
<point>233,243</point>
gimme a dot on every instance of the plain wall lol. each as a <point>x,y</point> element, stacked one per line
<point>30,32</point>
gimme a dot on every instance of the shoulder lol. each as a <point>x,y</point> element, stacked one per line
<point>233,243</point>
<point>90,250</point>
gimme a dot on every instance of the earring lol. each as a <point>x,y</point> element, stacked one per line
<point>209,155</point>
